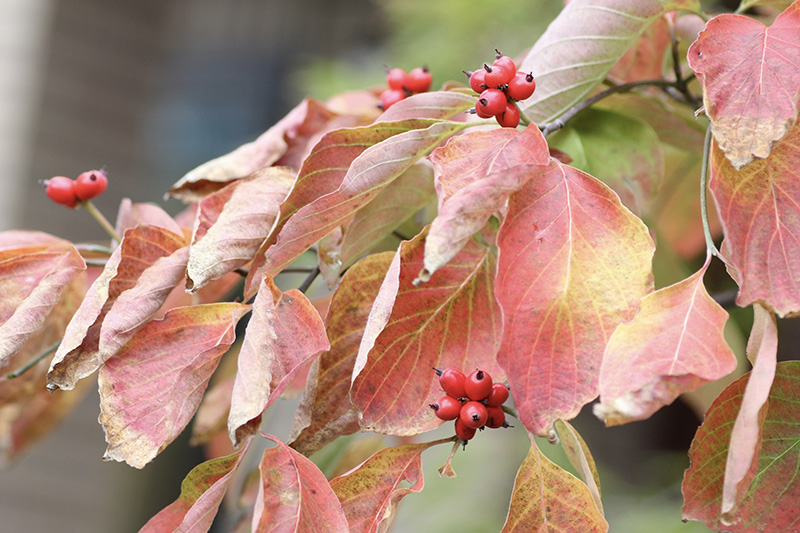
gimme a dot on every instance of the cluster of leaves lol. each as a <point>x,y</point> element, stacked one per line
<point>536,270</point>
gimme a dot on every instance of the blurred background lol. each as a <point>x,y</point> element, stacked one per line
<point>150,89</point>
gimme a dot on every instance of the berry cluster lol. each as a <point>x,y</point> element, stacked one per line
<point>402,84</point>
<point>473,401</point>
<point>65,191</point>
<point>500,86</point>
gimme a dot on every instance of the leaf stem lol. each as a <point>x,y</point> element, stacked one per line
<point>309,280</point>
<point>561,121</point>
<point>710,247</point>
<point>33,362</point>
<point>103,221</point>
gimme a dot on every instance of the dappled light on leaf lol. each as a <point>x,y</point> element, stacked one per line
<point>751,81</point>
<point>150,390</point>
<point>674,344</point>
<point>573,264</point>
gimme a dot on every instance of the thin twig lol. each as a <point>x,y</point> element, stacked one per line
<point>710,246</point>
<point>33,362</point>
<point>309,280</point>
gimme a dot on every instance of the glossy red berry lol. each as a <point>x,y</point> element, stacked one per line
<point>389,97</point>
<point>478,385</point>
<point>506,62</point>
<point>498,396</point>
<point>510,117</point>
<point>521,86</point>
<point>396,78</point>
<point>473,414</point>
<point>447,408</point>
<point>496,418</point>
<point>419,80</point>
<point>452,382</point>
<point>496,76</point>
<point>90,184</point>
<point>477,80</point>
<point>61,190</point>
<point>492,102</point>
<point>464,432</point>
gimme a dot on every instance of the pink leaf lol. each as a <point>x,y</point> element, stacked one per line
<point>284,333</point>
<point>674,344</point>
<point>573,264</point>
<point>440,105</point>
<point>131,215</point>
<point>152,387</point>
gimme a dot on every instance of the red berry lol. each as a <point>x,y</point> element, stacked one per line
<point>419,80</point>
<point>498,396</point>
<point>505,62</point>
<point>492,102</point>
<point>477,80</point>
<point>496,76</point>
<point>473,414</point>
<point>396,78</point>
<point>463,432</point>
<point>90,184</point>
<point>446,408</point>
<point>452,382</point>
<point>496,418</point>
<point>389,97</point>
<point>510,117</point>
<point>61,190</point>
<point>521,86</point>
<point>478,385</point>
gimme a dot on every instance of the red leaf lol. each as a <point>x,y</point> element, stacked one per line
<point>758,207</point>
<point>474,155</point>
<point>325,411</point>
<point>745,446</point>
<point>451,321</point>
<point>233,222</point>
<point>581,45</point>
<point>32,280</point>
<point>674,344</point>
<point>323,172</point>
<point>152,387</point>
<point>645,59</point>
<point>440,105</point>
<point>303,121</point>
<point>370,172</point>
<point>751,83</point>
<point>294,495</point>
<point>574,264</point>
<point>140,251</point>
<point>548,498</point>
<point>370,493</point>
<point>201,494</point>
<point>284,333</point>
<point>770,502</point>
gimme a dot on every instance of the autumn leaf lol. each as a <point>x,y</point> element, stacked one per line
<point>135,263</point>
<point>751,83</point>
<point>201,495</point>
<point>580,458</point>
<point>450,322</point>
<point>150,390</point>
<point>621,151</point>
<point>581,46</point>
<point>474,155</point>
<point>283,334</point>
<point>370,493</point>
<point>368,174</point>
<point>439,105</point>
<point>769,503</point>
<point>645,59</point>
<point>32,280</point>
<point>573,264</point>
<point>548,498</point>
<point>307,118</point>
<point>745,444</point>
<point>132,214</point>
<point>758,207</point>
<point>294,495</point>
<point>233,222</point>
<point>325,411</point>
<point>674,344</point>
